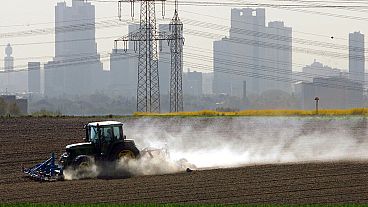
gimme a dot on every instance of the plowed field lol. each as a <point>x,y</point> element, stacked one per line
<point>26,141</point>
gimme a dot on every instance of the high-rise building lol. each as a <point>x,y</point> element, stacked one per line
<point>124,68</point>
<point>356,57</point>
<point>12,82</point>
<point>317,69</point>
<point>5,78</point>
<point>34,77</point>
<point>193,83</point>
<point>123,73</point>
<point>76,55</point>
<point>164,63</point>
<point>258,54</point>
<point>207,83</point>
<point>333,92</point>
<point>54,79</point>
<point>9,59</point>
<point>81,16</point>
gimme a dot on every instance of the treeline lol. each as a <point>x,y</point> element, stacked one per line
<point>102,104</point>
<point>97,104</point>
<point>9,108</point>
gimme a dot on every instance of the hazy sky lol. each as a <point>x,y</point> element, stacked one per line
<point>21,15</point>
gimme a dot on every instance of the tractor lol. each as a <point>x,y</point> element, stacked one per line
<point>103,142</point>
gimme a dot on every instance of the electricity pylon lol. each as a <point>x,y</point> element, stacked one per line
<point>176,42</point>
<point>148,89</point>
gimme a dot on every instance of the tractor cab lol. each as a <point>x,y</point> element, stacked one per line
<point>105,132</point>
<point>104,136</point>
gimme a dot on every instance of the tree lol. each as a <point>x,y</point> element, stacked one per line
<point>3,107</point>
<point>13,109</point>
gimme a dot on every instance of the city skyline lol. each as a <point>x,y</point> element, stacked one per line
<point>255,58</point>
<point>339,29</point>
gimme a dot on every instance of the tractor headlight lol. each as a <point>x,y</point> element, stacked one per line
<point>65,155</point>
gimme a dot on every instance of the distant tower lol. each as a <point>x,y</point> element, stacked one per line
<point>34,77</point>
<point>79,22</point>
<point>248,48</point>
<point>356,56</point>
<point>9,60</point>
<point>79,70</point>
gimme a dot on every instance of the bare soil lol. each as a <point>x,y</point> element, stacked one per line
<point>26,141</point>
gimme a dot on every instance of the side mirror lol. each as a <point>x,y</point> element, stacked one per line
<point>124,137</point>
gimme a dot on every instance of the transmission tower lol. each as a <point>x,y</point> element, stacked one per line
<point>176,42</point>
<point>148,89</point>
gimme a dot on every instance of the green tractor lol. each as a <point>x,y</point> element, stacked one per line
<point>104,141</point>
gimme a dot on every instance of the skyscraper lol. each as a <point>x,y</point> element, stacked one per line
<point>164,64</point>
<point>76,55</point>
<point>193,83</point>
<point>8,60</point>
<point>356,57</point>
<point>6,78</point>
<point>34,77</point>
<point>258,54</point>
<point>124,69</point>
<point>73,23</point>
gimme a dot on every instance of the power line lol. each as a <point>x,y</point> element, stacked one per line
<point>54,22</point>
<point>256,34</point>
<point>258,25</point>
<point>64,29</point>
<point>275,76</point>
<point>225,70</point>
<point>192,22</point>
<point>263,44</point>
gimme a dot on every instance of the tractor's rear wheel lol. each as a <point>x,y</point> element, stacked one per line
<point>126,152</point>
<point>82,164</point>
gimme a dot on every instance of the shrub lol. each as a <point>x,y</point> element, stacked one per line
<point>45,113</point>
<point>13,109</point>
<point>3,107</point>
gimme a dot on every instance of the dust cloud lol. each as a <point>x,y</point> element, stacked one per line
<point>157,164</point>
<point>202,143</point>
<point>92,172</point>
<point>233,142</point>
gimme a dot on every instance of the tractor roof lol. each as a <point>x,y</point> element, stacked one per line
<point>105,123</point>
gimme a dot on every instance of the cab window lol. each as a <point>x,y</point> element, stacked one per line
<point>107,135</point>
<point>118,132</point>
<point>93,135</point>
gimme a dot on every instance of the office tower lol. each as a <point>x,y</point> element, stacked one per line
<point>164,63</point>
<point>9,59</point>
<point>76,63</point>
<point>34,77</point>
<point>124,69</point>
<point>258,54</point>
<point>356,57</point>
<point>193,83</point>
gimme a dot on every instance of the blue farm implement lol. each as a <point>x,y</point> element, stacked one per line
<point>45,171</point>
